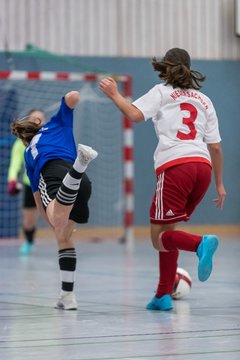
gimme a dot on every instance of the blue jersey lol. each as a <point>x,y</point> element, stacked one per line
<point>53,141</point>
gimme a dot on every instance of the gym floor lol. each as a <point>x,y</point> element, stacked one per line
<point>113,288</point>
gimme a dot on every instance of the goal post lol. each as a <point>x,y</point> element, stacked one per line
<point>98,123</point>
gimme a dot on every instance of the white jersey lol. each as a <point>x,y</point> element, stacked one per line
<point>185,121</point>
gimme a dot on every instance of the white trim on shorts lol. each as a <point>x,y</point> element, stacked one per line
<point>43,192</point>
<point>159,198</point>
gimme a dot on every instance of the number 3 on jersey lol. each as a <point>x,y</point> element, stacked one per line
<point>188,121</point>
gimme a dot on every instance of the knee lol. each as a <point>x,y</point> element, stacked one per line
<point>58,220</point>
<point>157,232</point>
<point>157,242</point>
<point>56,216</point>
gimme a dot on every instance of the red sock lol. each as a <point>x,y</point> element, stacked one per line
<point>175,239</point>
<point>167,270</point>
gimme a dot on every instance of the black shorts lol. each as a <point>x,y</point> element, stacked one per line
<point>28,199</point>
<point>52,175</point>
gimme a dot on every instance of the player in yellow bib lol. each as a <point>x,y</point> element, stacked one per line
<point>30,212</point>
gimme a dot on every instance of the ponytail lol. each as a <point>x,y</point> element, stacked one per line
<point>25,129</point>
<point>175,70</point>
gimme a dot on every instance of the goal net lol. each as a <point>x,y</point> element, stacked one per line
<point>97,123</point>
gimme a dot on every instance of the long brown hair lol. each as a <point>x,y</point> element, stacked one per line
<point>175,70</point>
<point>25,129</point>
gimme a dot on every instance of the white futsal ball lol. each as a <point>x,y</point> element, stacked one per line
<point>182,285</point>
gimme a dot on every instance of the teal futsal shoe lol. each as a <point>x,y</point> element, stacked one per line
<point>163,303</point>
<point>26,248</point>
<point>205,252</point>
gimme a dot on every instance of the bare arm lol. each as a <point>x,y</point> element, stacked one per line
<point>217,163</point>
<point>72,99</point>
<point>40,208</point>
<point>110,89</point>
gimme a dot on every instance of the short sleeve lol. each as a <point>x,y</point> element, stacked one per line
<point>149,104</point>
<point>64,116</point>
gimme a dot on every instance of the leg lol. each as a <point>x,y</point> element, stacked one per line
<point>29,220</point>
<point>61,209</point>
<point>191,183</point>
<point>177,200</point>
<point>168,242</point>
<point>67,259</point>
<point>174,240</point>
<point>167,270</point>
<point>209,243</point>
<point>64,236</point>
<point>58,210</point>
<point>67,254</point>
<point>59,189</point>
<point>30,215</point>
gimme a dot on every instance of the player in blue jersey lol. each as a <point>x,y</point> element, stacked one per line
<point>60,186</point>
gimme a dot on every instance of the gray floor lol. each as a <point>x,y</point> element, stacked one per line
<point>112,290</point>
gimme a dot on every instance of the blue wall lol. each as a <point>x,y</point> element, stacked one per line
<point>222,86</point>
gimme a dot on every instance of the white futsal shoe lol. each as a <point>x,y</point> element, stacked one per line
<point>86,154</point>
<point>67,302</point>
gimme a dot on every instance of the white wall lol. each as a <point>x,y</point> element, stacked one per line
<point>138,28</point>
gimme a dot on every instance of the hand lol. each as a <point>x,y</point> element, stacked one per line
<point>14,187</point>
<point>109,87</point>
<point>221,196</point>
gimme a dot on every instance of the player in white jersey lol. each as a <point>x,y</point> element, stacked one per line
<point>189,148</point>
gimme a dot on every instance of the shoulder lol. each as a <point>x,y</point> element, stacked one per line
<point>156,91</point>
<point>162,90</point>
<point>159,88</point>
<point>63,114</point>
<point>64,106</point>
<point>207,101</point>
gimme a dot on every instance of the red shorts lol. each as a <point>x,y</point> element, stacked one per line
<point>179,190</point>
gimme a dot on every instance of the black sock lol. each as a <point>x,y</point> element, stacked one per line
<point>67,259</point>
<point>29,235</point>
